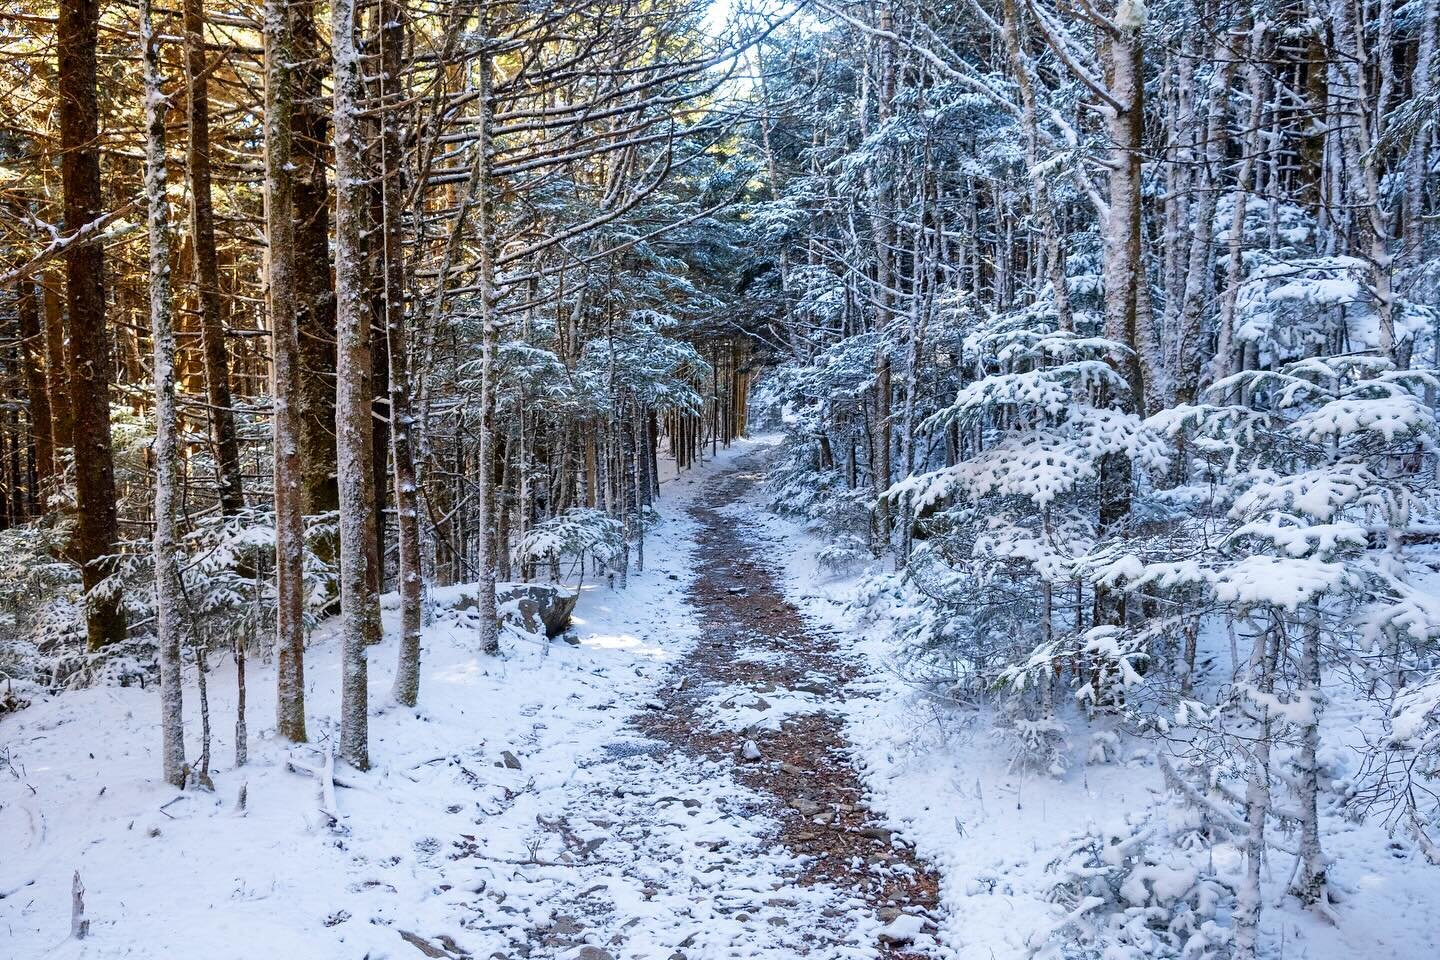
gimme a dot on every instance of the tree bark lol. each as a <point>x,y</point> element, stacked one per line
<point>1311,886</point>
<point>359,604</point>
<point>207,272</point>
<point>169,597</point>
<point>57,368</point>
<point>402,419</point>
<point>97,526</point>
<point>314,294</point>
<point>32,352</point>
<point>285,371</point>
<point>489,347</point>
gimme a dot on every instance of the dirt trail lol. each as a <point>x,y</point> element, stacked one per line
<point>752,636</point>
<point>669,843</point>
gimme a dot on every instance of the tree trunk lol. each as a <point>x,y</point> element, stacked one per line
<point>314,295</point>
<point>407,508</point>
<point>97,527</point>
<point>169,597</point>
<point>1310,886</point>
<point>489,346</point>
<point>359,603</point>
<point>57,368</point>
<point>285,386</point>
<point>32,352</point>
<point>1248,899</point>
<point>1225,362</point>
<point>207,271</point>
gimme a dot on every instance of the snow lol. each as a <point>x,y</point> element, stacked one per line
<point>998,833</point>
<point>743,709</point>
<point>598,834</point>
<point>516,805</point>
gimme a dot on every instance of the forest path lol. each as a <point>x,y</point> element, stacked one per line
<point>679,845</point>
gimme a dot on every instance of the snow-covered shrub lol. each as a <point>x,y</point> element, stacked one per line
<point>843,556</point>
<point>1003,534</point>
<point>40,621</point>
<point>1038,744</point>
<point>577,533</point>
<point>1134,897</point>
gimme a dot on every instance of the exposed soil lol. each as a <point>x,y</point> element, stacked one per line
<point>805,764</point>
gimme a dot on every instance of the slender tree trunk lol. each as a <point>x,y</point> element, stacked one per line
<point>97,526</point>
<point>207,271</point>
<point>1124,265</point>
<point>1197,286</point>
<point>1310,886</point>
<point>169,597</point>
<point>57,367</point>
<point>1248,900</point>
<point>1022,68</point>
<point>489,346</point>
<point>32,352</point>
<point>1225,361</point>
<point>1361,129</point>
<point>1418,157</point>
<point>402,421</point>
<point>314,303</point>
<point>359,603</point>
<point>285,387</point>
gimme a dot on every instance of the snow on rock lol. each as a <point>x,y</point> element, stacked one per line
<point>902,929</point>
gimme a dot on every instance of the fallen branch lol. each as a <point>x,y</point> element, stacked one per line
<point>448,951</point>
<point>305,770</point>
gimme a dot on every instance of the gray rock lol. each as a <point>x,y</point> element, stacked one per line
<point>544,606</point>
<point>566,927</point>
<point>805,806</point>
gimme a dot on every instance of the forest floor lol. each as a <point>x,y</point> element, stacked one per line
<point>586,798</point>
<point>726,759</point>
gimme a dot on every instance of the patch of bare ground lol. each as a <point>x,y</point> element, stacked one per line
<point>752,636</point>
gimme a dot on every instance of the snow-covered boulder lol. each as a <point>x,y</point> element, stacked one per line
<point>537,606</point>
<point>532,607</point>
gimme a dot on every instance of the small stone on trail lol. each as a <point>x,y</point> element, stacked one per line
<point>750,751</point>
<point>512,762</point>
<point>791,769</point>
<point>566,927</point>
<point>805,806</point>
<point>594,953</point>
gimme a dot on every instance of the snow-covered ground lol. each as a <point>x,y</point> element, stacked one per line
<point>598,839</point>
<point>994,830</point>
<point>600,842</point>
